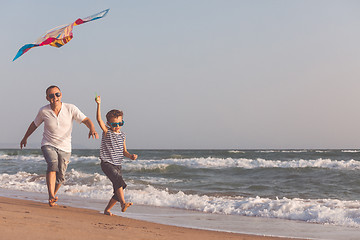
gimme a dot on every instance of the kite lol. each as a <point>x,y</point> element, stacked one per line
<point>59,36</point>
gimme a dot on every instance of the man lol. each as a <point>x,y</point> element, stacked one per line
<point>56,143</point>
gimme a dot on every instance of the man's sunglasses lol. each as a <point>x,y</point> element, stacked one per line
<point>53,95</point>
<point>117,124</point>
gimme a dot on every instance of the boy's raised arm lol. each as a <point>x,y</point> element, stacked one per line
<point>98,115</point>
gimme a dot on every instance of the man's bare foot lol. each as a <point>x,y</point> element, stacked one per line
<point>125,206</point>
<point>108,213</point>
<point>52,201</point>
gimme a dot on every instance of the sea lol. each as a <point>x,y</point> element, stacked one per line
<point>308,187</point>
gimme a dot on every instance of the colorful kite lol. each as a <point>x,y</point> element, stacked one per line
<point>59,36</point>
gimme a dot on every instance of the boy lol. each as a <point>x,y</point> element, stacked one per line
<point>112,152</point>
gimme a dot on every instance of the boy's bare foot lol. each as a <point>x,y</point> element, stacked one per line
<point>108,213</point>
<point>125,206</point>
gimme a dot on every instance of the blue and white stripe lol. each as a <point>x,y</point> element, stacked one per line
<point>112,147</point>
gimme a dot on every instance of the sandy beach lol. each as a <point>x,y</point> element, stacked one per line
<point>23,219</point>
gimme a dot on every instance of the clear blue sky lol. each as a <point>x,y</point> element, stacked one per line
<point>191,73</point>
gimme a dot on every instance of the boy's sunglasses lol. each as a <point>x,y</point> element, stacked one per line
<point>53,95</point>
<point>117,123</point>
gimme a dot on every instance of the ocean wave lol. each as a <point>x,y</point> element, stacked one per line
<point>33,158</point>
<point>40,158</point>
<point>23,181</point>
<point>294,151</point>
<point>76,158</point>
<point>267,151</point>
<point>220,163</point>
<point>235,151</point>
<point>77,183</point>
<point>282,151</point>
<point>197,163</point>
<point>324,211</point>
<point>97,186</point>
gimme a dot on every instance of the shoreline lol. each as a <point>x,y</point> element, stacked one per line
<point>27,219</point>
<point>185,219</point>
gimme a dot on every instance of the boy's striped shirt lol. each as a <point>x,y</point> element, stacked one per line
<point>112,147</point>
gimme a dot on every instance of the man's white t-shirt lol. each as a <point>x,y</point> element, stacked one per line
<point>57,129</point>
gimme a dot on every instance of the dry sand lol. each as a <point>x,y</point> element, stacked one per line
<point>23,219</point>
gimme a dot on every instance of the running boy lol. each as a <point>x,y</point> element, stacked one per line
<point>112,152</point>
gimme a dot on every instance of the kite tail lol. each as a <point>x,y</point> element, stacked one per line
<point>24,49</point>
<point>92,17</point>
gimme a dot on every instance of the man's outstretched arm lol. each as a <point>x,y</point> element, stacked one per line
<point>90,125</point>
<point>30,130</point>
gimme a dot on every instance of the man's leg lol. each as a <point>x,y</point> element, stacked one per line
<point>50,181</point>
<point>51,158</point>
<point>57,186</point>
<point>63,161</point>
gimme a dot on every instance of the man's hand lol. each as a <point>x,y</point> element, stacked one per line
<point>93,134</point>
<point>23,143</point>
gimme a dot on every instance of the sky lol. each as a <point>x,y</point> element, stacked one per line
<point>190,74</point>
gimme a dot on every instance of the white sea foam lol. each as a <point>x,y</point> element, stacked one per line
<point>282,151</point>
<point>350,151</point>
<point>326,211</point>
<point>40,158</point>
<point>33,158</point>
<point>75,158</point>
<point>77,183</point>
<point>23,181</point>
<point>97,186</point>
<point>267,151</point>
<point>236,151</point>
<point>294,151</point>
<point>219,163</point>
<point>157,180</point>
<point>210,162</point>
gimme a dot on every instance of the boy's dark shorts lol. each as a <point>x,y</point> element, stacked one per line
<point>113,172</point>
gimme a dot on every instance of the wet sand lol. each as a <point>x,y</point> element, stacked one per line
<point>24,219</point>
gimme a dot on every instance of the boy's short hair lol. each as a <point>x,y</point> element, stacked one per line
<point>113,114</point>
<point>52,86</point>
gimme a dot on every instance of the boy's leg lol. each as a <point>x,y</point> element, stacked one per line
<point>120,195</point>
<point>114,174</point>
<point>111,203</point>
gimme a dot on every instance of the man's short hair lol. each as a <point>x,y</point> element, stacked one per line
<point>52,86</point>
<point>113,114</point>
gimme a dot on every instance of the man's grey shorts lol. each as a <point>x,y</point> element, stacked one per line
<point>57,161</point>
